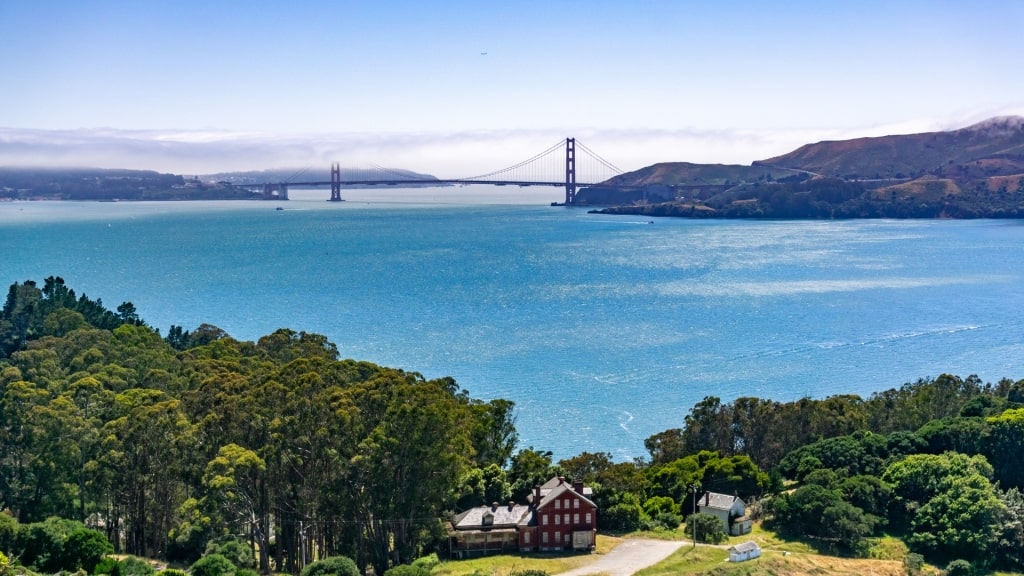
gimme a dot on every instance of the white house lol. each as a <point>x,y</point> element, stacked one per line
<point>731,510</point>
<point>745,551</point>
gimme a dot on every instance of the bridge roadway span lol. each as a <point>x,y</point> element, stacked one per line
<point>427,181</point>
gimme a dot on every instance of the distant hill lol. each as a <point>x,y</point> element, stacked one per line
<point>288,175</point>
<point>33,183</point>
<point>973,172</point>
<point>103,184</point>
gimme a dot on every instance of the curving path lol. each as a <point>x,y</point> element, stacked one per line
<point>628,557</point>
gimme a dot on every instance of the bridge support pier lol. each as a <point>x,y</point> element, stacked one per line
<point>570,171</point>
<point>335,182</point>
<point>275,191</point>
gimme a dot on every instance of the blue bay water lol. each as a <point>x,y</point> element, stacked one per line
<point>603,330</point>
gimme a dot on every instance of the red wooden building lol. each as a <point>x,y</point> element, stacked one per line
<point>559,516</point>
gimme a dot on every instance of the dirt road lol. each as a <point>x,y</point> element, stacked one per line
<point>626,558</point>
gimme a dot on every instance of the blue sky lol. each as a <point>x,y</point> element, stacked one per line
<point>455,87</point>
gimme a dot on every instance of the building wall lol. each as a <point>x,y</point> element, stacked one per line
<point>474,543</point>
<point>741,527</point>
<point>559,519</point>
<point>722,515</point>
<point>735,556</point>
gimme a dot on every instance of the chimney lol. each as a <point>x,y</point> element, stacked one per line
<point>494,506</point>
<point>511,505</point>
<point>561,480</point>
<point>536,495</point>
<point>707,498</point>
<point>577,487</point>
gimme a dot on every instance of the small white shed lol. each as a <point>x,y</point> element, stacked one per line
<point>746,551</point>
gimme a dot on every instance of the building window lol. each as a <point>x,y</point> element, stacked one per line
<point>544,537</point>
<point>567,519</point>
<point>588,518</point>
<point>557,518</point>
<point>558,504</point>
<point>576,518</point>
<point>566,539</point>
<point>526,537</point>
<point>544,519</point>
<point>575,502</point>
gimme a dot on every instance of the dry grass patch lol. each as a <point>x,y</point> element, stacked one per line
<point>714,561</point>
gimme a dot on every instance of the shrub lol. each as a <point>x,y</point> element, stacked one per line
<point>429,562</point>
<point>106,566</point>
<point>407,570</point>
<point>8,532</point>
<point>913,563</point>
<point>237,551</point>
<point>959,568</point>
<point>624,517</point>
<point>173,572</point>
<point>40,546</point>
<point>660,505</point>
<point>708,527</point>
<point>332,566</point>
<point>46,546</point>
<point>533,572</point>
<point>85,549</point>
<point>212,565</point>
<point>132,566</point>
<point>667,521</point>
<point>246,572</point>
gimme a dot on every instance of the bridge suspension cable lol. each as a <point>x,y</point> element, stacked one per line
<point>608,165</point>
<point>497,174</point>
<point>549,167</point>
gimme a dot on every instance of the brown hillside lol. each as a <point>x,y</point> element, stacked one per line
<point>927,188</point>
<point>990,148</point>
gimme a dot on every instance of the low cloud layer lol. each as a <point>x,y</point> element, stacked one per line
<point>453,155</point>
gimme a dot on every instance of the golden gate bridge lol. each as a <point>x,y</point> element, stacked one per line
<point>558,166</point>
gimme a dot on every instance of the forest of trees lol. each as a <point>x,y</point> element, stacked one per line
<point>177,446</point>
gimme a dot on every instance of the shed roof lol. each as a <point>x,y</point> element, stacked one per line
<point>748,546</point>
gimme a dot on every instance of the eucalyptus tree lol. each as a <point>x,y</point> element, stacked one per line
<point>144,450</point>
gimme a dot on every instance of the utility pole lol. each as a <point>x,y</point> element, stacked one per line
<point>693,518</point>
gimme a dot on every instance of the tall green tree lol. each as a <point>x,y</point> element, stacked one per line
<point>1006,446</point>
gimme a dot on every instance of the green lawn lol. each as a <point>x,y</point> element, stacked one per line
<point>502,565</point>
